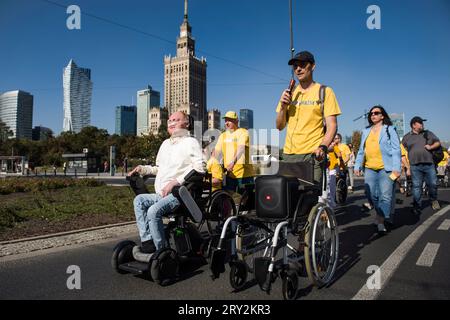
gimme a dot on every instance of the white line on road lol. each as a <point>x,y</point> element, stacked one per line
<point>426,259</point>
<point>393,262</point>
<point>445,225</point>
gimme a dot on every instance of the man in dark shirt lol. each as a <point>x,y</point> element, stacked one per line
<point>419,143</point>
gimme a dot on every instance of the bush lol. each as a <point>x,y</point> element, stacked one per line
<point>12,185</point>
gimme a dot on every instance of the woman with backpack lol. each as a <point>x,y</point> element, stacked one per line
<point>380,157</point>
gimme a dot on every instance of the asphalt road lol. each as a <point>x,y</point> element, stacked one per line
<point>414,260</point>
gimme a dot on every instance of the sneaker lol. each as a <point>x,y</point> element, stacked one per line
<point>435,205</point>
<point>350,188</point>
<point>367,205</point>
<point>148,247</point>
<point>381,228</point>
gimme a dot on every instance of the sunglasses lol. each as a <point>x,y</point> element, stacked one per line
<point>375,113</point>
<point>301,64</point>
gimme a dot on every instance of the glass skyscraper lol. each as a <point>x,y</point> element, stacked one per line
<point>146,99</point>
<point>246,118</point>
<point>126,120</point>
<point>77,87</point>
<point>16,111</point>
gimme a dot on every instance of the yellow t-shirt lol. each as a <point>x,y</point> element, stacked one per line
<point>305,122</point>
<point>345,152</point>
<point>404,152</point>
<point>443,163</point>
<point>228,143</point>
<point>215,169</point>
<point>333,159</point>
<point>373,157</point>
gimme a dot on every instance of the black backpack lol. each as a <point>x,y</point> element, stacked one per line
<point>437,154</point>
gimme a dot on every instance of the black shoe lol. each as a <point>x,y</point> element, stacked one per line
<point>416,211</point>
<point>148,247</point>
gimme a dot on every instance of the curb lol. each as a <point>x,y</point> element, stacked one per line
<point>52,235</point>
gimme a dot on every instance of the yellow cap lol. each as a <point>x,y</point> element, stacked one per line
<point>230,115</point>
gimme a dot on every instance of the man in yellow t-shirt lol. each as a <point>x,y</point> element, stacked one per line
<point>301,111</point>
<point>233,150</point>
<point>443,164</point>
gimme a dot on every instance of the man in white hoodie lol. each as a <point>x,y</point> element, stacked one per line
<point>176,157</point>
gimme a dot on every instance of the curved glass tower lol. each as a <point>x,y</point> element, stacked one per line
<point>77,86</point>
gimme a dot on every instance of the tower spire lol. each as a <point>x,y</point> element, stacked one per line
<point>185,10</point>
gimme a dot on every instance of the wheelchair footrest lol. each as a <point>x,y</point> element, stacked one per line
<point>261,270</point>
<point>217,262</point>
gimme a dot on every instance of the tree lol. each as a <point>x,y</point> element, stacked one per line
<point>5,131</point>
<point>356,140</point>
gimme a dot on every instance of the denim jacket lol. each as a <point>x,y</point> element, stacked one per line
<point>390,149</point>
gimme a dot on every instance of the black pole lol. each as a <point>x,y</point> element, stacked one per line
<point>292,35</point>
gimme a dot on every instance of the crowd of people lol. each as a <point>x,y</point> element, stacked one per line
<point>309,112</point>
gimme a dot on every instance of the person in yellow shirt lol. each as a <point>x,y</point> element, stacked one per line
<point>442,165</point>
<point>215,169</point>
<point>233,150</point>
<point>305,115</point>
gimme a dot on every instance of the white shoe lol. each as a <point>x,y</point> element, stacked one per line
<point>381,228</point>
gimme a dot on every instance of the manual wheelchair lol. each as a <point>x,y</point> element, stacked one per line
<point>287,232</point>
<point>187,240</point>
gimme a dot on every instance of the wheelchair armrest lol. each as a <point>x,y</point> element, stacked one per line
<point>193,177</point>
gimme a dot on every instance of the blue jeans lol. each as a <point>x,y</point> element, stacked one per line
<point>149,209</point>
<point>419,173</point>
<point>379,189</point>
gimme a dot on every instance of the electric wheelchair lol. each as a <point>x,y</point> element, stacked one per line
<point>287,232</point>
<point>192,229</point>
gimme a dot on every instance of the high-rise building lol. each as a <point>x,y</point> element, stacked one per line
<point>16,111</point>
<point>125,120</point>
<point>398,121</point>
<point>185,77</point>
<point>157,117</point>
<point>41,133</point>
<point>246,118</point>
<point>214,119</point>
<point>77,87</point>
<point>146,99</point>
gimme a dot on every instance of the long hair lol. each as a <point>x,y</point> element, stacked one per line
<point>386,120</point>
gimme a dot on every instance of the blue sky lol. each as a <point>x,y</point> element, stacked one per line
<point>405,66</point>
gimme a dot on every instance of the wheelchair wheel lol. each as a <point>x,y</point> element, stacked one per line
<point>122,253</point>
<point>322,244</point>
<point>341,191</point>
<point>238,274</point>
<point>290,285</point>
<point>220,207</point>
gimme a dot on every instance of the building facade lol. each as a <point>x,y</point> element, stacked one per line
<point>126,120</point>
<point>246,118</point>
<point>77,86</point>
<point>157,117</point>
<point>146,99</point>
<point>214,119</point>
<point>41,133</point>
<point>16,111</point>
<point>185,77</point>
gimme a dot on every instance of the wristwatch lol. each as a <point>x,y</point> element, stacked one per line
<point>324,148</point>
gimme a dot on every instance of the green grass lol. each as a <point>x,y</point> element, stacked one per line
<point>65,204</point>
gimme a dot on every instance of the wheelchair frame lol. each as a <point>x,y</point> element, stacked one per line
<point>267,267</point>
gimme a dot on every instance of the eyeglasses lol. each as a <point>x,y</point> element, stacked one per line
<point>375,113</point>
<point>301,64</point>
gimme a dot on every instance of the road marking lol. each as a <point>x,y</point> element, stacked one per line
<point>426,259</point>
<point>393,262</point>
<point>445,225</point>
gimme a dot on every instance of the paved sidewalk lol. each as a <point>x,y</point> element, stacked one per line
<point>21,246</point>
